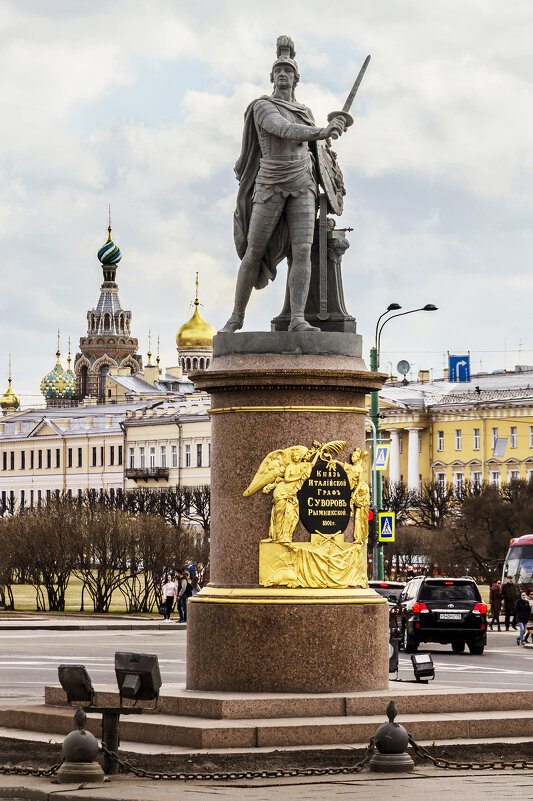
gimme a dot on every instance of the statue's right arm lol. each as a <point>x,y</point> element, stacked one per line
<point>268,117</point>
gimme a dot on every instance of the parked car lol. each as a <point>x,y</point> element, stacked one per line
<point>391,590</point>
<point>443,610</point>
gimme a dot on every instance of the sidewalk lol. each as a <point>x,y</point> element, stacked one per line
<point>33,622</point>
<point>424,782</point>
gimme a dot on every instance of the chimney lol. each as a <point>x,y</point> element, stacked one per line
<point>423,376</point>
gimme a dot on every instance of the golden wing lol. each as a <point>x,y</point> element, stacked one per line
<point>272,467</point>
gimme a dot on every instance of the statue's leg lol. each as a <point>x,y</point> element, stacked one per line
<point>301,214</point>
<point>264,218</point>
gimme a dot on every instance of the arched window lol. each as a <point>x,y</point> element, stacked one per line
<point>207,363</point>
<point>188,364</point>
<point>195,364</point>
<point>107,322</point>
<point>202,364</point>
<point>83,381</point>
<point>103,375</point>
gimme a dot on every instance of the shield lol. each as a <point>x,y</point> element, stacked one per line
<point>324,499</point>
<point>330,176</point>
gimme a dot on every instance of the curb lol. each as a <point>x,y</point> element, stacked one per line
<point>90,627</point>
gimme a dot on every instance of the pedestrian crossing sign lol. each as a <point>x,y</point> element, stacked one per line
<point>382,457</point>
<point>386,527</point>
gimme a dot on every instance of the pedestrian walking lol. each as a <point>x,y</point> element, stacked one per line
<point>169,594</point>
<point>529,627</point>
<point>495,598</point>
<point>183,593</point>
<point>522,611</point>
<point>510,593</point>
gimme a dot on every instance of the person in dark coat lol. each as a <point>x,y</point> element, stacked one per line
<point>495,598</point>
<point>510,593</point>
<point>522,610</point>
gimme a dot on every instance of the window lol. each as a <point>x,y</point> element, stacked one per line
<point>48,458</point>
<point>119,456</point>
<point>39,497</point>
<point>102,456</point>
<point>80,495</point>
<point>458,483</point>
<point>80,457</point>
<point>12,460</point>
<point>495,478</point>
<point>530,475</point>
<point>58,457</point>
<point>475,478</point>
<point>441,480</point>
<point>111,454</point>
<point>22,499</point>
<point>198,454</point>
<point>475,439</point>
<point>31,498</point>
<point>69,494</point>
<point>131,458</point>
<point>31,460</point>
<point>151,456</point>
<point>400,441</point>
<point>93,457</point>
<point>419,442</point>
<point>187,459</point>
<point>48,495</point>
<point>173,455</point>
<point>163,455</point>
<point>4,460</point>
<point>531,436</point>
<point>513,475</point>
<point>39,460</point>
<point>142,463</point>
<point>440,440</point>
<point>208,454</point>
<point>23,460</point>
<point>12,501</point>
<point>69,457</point>
<point>513,437</point>
<point>4,501</point>
<point>494,437</point>
<point>458,439</point>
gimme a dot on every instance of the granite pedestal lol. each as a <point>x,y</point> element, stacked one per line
<point>271,391</point>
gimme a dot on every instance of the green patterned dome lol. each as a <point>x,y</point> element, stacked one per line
<point>59,383</point>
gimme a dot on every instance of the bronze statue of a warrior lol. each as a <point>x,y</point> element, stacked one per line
<point>278,187</point>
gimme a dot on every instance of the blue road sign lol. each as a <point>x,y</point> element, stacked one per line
<point>459,369</point>
<point>382,457</point>
<point>386,526</point>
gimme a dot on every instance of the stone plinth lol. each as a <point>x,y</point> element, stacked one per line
<point>272,391</point>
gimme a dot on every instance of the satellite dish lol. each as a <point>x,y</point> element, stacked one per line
<point>403,367</point>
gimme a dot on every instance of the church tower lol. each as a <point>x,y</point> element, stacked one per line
<point>108,342</point>
<point>195,341</point>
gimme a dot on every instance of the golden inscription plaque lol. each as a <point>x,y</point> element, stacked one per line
<point>308,484</point>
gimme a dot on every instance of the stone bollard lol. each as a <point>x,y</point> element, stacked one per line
<point>391,742</point>
<point>79,750</point>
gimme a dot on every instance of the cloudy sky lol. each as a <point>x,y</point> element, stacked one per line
<point>139,103</point>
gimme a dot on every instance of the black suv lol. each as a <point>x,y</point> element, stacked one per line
<point>444,610</point>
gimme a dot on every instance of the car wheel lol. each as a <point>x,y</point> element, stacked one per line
<point>475,648</point>
<point>410,645</point>
<point>458,647</point>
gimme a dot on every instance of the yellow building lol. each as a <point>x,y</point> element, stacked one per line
<point>460,433</point>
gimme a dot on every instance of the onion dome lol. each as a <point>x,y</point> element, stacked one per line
<point>196,333</point>
<point>59,383</point>
<point>109,254</point>
<point>9,401</point>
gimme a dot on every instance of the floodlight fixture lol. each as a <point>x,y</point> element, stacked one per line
<point>76,683</point>
<point>423,667</point>
<point>138,676</point>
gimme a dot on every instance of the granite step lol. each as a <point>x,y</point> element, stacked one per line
<point>410,699</point>
<point>199,733</point>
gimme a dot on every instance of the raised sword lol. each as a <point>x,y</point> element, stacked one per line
<point>348,119</point>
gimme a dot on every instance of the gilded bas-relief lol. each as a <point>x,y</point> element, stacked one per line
<point>311,486</point>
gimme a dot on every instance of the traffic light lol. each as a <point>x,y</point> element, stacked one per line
<point>372,526</point>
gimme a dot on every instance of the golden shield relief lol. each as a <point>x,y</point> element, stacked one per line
<point>311,486</point>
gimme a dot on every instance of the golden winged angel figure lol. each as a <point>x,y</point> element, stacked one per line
<point>283,473</point>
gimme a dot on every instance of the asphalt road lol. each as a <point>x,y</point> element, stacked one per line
<point>29,660</point>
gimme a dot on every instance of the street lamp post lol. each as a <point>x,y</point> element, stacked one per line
<point>377,561</point>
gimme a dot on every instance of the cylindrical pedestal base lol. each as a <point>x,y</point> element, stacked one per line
<point>303,641</point>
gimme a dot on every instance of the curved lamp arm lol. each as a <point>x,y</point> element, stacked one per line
<point>427,307</point>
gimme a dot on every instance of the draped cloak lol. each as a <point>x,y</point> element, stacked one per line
<point>246,170</point>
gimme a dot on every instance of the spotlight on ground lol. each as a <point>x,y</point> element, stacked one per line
<point>138,676</point>
<point>76,683</point>
<point>423,667</point>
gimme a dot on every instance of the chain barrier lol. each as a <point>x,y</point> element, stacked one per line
<point>245,774</point>
<point>496,764</point>
<point>21,771</point>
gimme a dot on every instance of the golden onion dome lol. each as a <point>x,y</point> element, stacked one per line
<point>9,401</point>
<point>195,333</point>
